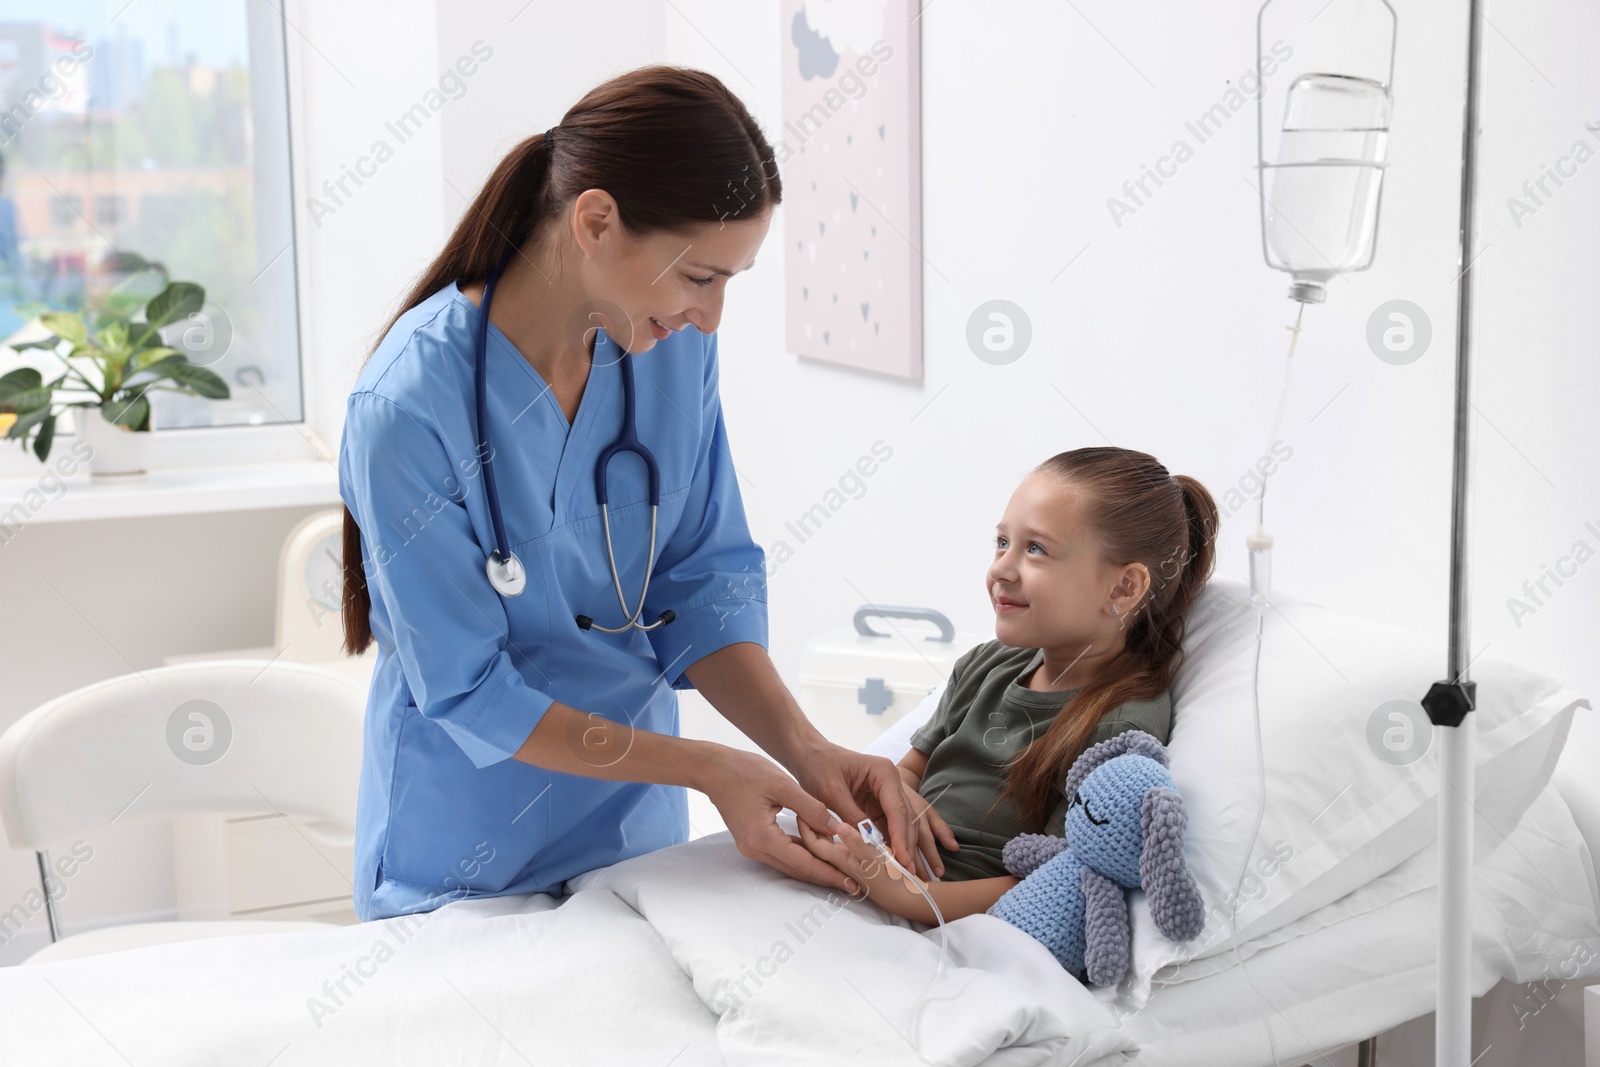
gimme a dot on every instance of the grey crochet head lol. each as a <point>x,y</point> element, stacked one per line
<point>1124,830</point>
<point>1135,741</point>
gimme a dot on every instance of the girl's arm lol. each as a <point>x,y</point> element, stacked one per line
<point>956,900</point>
<point>886,886</point>
<point>911,766</point>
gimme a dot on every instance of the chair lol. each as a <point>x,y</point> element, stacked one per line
<point>228,864</point>
<point>224,735</point>
<point>307,627</point>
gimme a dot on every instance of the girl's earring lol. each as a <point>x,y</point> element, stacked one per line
<point>1120,624</point>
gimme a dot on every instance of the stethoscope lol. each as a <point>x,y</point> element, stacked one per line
<point>505,570</point>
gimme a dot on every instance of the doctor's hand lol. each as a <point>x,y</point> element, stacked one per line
<point>859,786</point>
<point>749,790</point>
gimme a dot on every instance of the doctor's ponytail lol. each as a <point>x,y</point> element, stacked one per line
<point>675,149</point>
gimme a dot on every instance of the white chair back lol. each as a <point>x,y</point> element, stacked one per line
<point>310,623</point>
<point>212,736</point>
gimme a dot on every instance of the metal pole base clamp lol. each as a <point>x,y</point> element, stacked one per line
<point>1447,703</point>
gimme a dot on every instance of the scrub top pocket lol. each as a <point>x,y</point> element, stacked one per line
<point>464,827</point>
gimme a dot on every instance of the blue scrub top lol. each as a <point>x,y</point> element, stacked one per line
<point>463,675</point>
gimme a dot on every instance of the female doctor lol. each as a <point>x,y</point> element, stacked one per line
<point>522,726</point>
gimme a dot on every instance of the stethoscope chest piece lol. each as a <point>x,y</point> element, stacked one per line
<point>506,575</point>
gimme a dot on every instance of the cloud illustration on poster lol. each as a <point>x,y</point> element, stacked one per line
<point>848,25</point>
<point>815,56</point>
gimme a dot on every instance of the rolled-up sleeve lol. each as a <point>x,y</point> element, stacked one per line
<point>710,573</point>
<point>421,556</point>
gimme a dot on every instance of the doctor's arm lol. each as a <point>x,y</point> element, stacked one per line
<point>741,682</point>
<point>713,576</point>
<point>451,635</point>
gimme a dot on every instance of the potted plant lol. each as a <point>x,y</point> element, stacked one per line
<point>127,360</point>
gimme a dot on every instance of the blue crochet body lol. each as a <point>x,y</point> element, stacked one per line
<point>1048,905</point>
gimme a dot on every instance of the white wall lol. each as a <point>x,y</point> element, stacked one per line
<point>1165,335</point>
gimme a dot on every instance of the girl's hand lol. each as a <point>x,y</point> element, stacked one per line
<point>885,885</point>
<point>930,831</point>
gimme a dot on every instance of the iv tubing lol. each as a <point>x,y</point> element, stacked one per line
<point>873,836</point>
<point>1259,603</point>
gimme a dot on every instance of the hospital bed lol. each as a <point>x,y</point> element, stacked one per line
<point>697,955</point>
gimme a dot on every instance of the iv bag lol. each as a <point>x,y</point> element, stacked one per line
<point>1320,211</point>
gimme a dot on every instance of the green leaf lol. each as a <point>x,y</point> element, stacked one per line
<point>113,375</point>
<point>136,290</point>
<point>115,336</point>
<point>177,301</point>
<point>46,436</point>
<point>21,380</point>
<point>28,401</point>
<point>124,305</point>
<point>133,413</point>
<point>48,342</point>
<point>27,422</point>
<point>197,380</point>
<point>146,357</point>
<point>66,324</point>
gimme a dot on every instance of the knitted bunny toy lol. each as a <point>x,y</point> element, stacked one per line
<point>1124,830</point>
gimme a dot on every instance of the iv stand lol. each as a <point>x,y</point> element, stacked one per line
<point>1449,702</point>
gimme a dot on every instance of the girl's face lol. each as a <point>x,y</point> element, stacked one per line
<point>1047,584</point>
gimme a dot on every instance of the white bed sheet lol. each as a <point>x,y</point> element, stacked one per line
<point>638,964</point>
<point>463,985</point>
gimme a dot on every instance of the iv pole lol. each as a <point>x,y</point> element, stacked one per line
<point>1448,702</point>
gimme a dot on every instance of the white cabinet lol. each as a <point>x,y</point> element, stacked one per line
<point>261,867</point>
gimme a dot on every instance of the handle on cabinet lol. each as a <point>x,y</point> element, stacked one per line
<point>947,630</point>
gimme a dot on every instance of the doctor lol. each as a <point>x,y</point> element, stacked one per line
<point>522,726</point>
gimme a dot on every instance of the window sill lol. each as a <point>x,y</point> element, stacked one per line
<point>175,490</point>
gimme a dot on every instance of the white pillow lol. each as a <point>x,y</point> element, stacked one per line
<point>1337,815</point>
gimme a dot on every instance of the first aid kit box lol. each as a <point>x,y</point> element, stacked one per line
<point>857,680</point>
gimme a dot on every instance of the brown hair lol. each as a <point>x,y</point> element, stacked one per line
<point>672,145</point>
<point>1141,514</point>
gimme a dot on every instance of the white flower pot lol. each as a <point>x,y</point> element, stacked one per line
<point>116,449</point>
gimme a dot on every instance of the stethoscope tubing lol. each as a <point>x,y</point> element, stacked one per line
<point>502,547</point>
<point>504,569</point>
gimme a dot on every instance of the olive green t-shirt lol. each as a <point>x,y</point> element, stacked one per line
<point>986,716</point>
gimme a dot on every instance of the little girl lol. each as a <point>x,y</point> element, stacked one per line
<point>1097,560</point>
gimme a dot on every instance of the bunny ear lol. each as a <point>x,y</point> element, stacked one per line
<point>1174,899</point>
<point>1136,741</point>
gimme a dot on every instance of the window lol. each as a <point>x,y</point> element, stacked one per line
<point>148,143</point>
<point>65,211</point>
<point>107,210</point>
